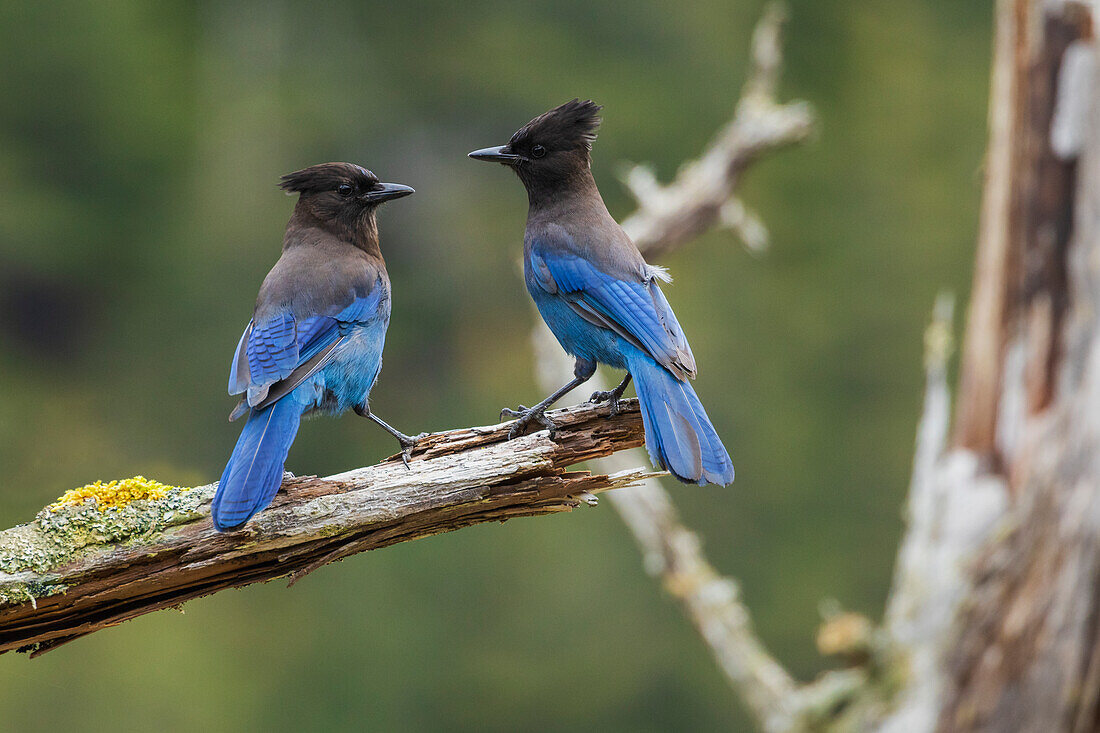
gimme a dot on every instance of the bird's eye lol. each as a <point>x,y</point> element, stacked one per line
<point>537,151</point>
<point>344,189</point>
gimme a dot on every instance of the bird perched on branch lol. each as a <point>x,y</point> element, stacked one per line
<point>314,344</point>
<point>600,298</point>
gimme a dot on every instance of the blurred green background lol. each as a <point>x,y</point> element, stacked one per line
<point>140,144</point>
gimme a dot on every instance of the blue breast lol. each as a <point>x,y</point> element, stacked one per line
<point>347,380</point>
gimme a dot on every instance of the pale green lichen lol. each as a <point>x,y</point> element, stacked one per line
<point>28,592</point>
<point>92,516</point>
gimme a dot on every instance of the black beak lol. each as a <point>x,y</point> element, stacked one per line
<point>387,191</point>
<point>499,154</point>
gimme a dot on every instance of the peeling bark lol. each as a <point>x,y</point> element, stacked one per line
<point>1024,653</point>
<point>457,478</point>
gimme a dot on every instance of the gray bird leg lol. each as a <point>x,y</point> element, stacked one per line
<point>408,443</point>
<point>613,396</point>
<point>583,371</point>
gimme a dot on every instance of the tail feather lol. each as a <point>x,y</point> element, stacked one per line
<point>255,470</point>
<point>678,433</point>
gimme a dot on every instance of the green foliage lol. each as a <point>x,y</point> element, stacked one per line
<point>140,145</point>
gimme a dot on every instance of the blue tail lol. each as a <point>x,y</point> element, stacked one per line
<point>678,433</point>
<point>255,470</point>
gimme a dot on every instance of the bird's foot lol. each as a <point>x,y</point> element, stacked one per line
<point>524,417</point>
<point>408,445</point>
<point>611,396</point>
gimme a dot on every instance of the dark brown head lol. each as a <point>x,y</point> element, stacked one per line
<point>341,196</point>
<point>552,149</point>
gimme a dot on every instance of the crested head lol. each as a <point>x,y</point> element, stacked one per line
<point>570,127</point>
<point>341,198</point>
<point>551,153</point>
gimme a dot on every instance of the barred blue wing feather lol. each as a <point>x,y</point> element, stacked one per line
<point>272,349</point>
<point>642,334</point>
<point>282,350</point>
<point>321,340</point>
<point>636,310</point>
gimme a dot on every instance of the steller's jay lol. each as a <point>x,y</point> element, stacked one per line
<point>600,298</point>
<point>314,344</point>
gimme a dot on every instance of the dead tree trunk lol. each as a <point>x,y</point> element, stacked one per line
<point>1026,652</point>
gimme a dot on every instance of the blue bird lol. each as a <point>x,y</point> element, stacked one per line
<point>314,344</point>
<point>600,298</point>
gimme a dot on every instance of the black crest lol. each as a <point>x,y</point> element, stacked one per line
<point>572,125</point>
<point>327,177</point>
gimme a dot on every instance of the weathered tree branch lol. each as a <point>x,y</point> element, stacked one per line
<point>78,569</point>
<point>701,197</point>
<point>952,509</point>
<point>673,553</point>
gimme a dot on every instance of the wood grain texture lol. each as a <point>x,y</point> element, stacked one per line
<point>1025,655</point>
<point>456,479</point>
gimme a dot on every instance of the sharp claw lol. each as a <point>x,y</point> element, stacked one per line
<point>611,397</point>
<point>524,416</point>
<point>518,427</point>
<point>408,446</point>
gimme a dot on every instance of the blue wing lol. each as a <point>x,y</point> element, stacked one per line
<point>635,309</point>
<point>280,352</point>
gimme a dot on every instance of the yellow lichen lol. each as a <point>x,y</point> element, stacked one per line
<point>94,515</point>
<point>114,494</point>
